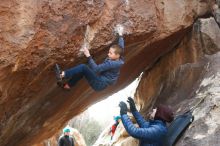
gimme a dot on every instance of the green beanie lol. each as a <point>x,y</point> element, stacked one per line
<point>117,118</point>
<point>66,130</point>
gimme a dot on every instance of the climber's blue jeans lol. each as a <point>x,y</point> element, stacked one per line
<point>78,72</point>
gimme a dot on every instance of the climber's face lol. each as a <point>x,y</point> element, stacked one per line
<point>67,133</point>
<point>112,55</point>
<point>153,113</point>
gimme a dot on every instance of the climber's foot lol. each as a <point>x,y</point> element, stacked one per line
<point>58,74</point>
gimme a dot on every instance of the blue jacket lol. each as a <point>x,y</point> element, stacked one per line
<point>109,70</point>
<point>149,133</point>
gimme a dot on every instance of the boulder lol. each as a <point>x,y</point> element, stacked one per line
<point>34,35</point>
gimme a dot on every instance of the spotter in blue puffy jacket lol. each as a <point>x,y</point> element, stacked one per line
<point>151,132</point>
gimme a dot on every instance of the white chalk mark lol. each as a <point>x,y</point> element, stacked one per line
<point>86,39</point>
<point>119,29</point>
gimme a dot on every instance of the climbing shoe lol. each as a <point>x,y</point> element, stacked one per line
<point>58,74</point>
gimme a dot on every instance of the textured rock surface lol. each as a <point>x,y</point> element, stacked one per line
<point>185,80</point>
<point>181,68</point>
<point>205,129</point>
<point>35,35</point>
<point>50,142</point>
<point>216,11</point>
<point>184,76</point>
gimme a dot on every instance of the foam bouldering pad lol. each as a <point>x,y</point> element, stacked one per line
<point>177,128</point>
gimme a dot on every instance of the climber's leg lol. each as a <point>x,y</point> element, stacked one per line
<point>77,73</point>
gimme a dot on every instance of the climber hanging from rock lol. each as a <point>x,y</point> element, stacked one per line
<point>99,76</point>
<point>149,133</point>
<point>114,126</point>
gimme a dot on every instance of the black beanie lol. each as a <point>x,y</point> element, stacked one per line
<point>164,113</point>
